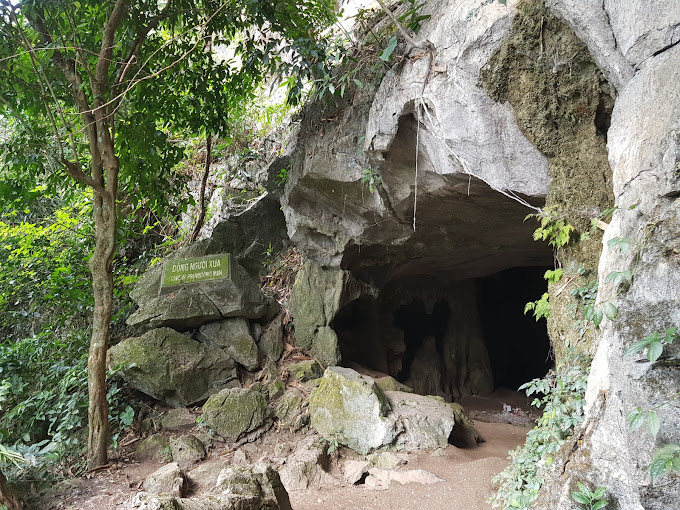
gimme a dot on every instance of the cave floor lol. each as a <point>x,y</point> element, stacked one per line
<point>466,475</point>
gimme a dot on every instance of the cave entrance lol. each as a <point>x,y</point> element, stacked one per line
<point>453,339</point>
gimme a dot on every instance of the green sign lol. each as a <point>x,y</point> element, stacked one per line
<point>195,270</point>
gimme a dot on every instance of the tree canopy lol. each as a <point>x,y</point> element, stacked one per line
<point>89,93</point>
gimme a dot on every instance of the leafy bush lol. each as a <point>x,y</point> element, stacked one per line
<point>562,401</point>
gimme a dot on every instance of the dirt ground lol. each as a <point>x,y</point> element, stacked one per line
<point>466,475</point>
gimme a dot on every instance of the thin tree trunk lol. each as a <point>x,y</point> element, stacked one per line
<point>101,267</point>
<point>201,194</point>
<point>6,497</point>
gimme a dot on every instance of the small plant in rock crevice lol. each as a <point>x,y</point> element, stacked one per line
<point>591,500</point>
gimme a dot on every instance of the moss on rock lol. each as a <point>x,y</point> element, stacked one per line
<point>237,412</point>
<point>562,103</point>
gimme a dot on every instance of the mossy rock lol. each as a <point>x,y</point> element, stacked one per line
<point>351,409</point>
<point>172,367</point>
<point>306,370</point>
<point>389,383</point>
<point>236,413</point>
<point>276,389</point>
<point>290,407</point>
<point>154,447</point>
<point>187,450</point>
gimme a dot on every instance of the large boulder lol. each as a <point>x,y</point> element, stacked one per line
<point>190,306</point>
<point>308,467</point>
<point>167,480</point>
<point>237,413</point>
<point>233,335</point>
<point>172,367</point>
<point>350,408</point>
<point>427,422</point>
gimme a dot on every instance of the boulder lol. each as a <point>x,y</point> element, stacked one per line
<point>464,433</point>
<point>290,407</point>
<point>350,408</point>
<point>271,340</point>
<point>190,306</point>
<point>306,370</point>
<point>354,470</point>
<point>171,367</point>
<point>233,335</point>
<point>259,486</point>
<point>387,460</point>
<point>237,413</point>
<point>167,480</point>
<point>178,420</point>
<point>427,422</point>
<point>307,467</point>
<point>255,487</point>
<point>187,450</point>
<point>154,447</point>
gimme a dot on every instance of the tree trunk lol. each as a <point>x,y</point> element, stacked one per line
<point>201,194</point>
<point>101,267</point>
<point>8,499</point>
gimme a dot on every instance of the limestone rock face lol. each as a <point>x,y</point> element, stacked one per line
<point>472,158</point>
<point>427,422</point>
<point>271,340</point>
<point>318,294</point>
<point>153,447</point>
<point>171,367</point>
<point>644,153</point>
<point>190,306</point>
<point>233,335</point>
<point>237,413</point>
<point>306,370</point>
<point>351,409</point>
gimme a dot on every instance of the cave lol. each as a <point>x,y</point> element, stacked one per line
<point>449,338</point>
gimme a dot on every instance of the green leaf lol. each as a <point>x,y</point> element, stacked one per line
<point>635,418</point>
<point>610,310</point>
<point>600,504</point>
<point>653,423</point>
<point>358,83</point>
<point>654,351</point>
<point>636,347</point>
<point>579,498</point>
<point>386,54</point>
<point>622,243</point>
<point>597,315</point>
<point>659,468</point>
<point>503,2</point>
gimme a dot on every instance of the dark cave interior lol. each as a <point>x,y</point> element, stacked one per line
<point>450,338</point>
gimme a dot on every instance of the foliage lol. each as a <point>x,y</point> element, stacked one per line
<point>666,460</point>
<point>654,344</point>
<point>371,178</point>
<point>593,500</point>
<point>553,229</point>
<point>561,396</point>
<point>540,308</point>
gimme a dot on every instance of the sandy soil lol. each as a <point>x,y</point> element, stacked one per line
<point>467,474</point>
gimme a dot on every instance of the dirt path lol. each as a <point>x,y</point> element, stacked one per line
<point>467,474</point>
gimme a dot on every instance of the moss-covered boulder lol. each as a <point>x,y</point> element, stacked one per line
<point>271,340</point>
<point>187,450</point>
<point>350,408</point>
<point>233,335</point>
<point>237,413</point>
<point>154,447</point>
<point>188,307</point>
<point>427,421</point>
<point>306,370</point>
<point>172,367</point>
<point>291,406</point>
